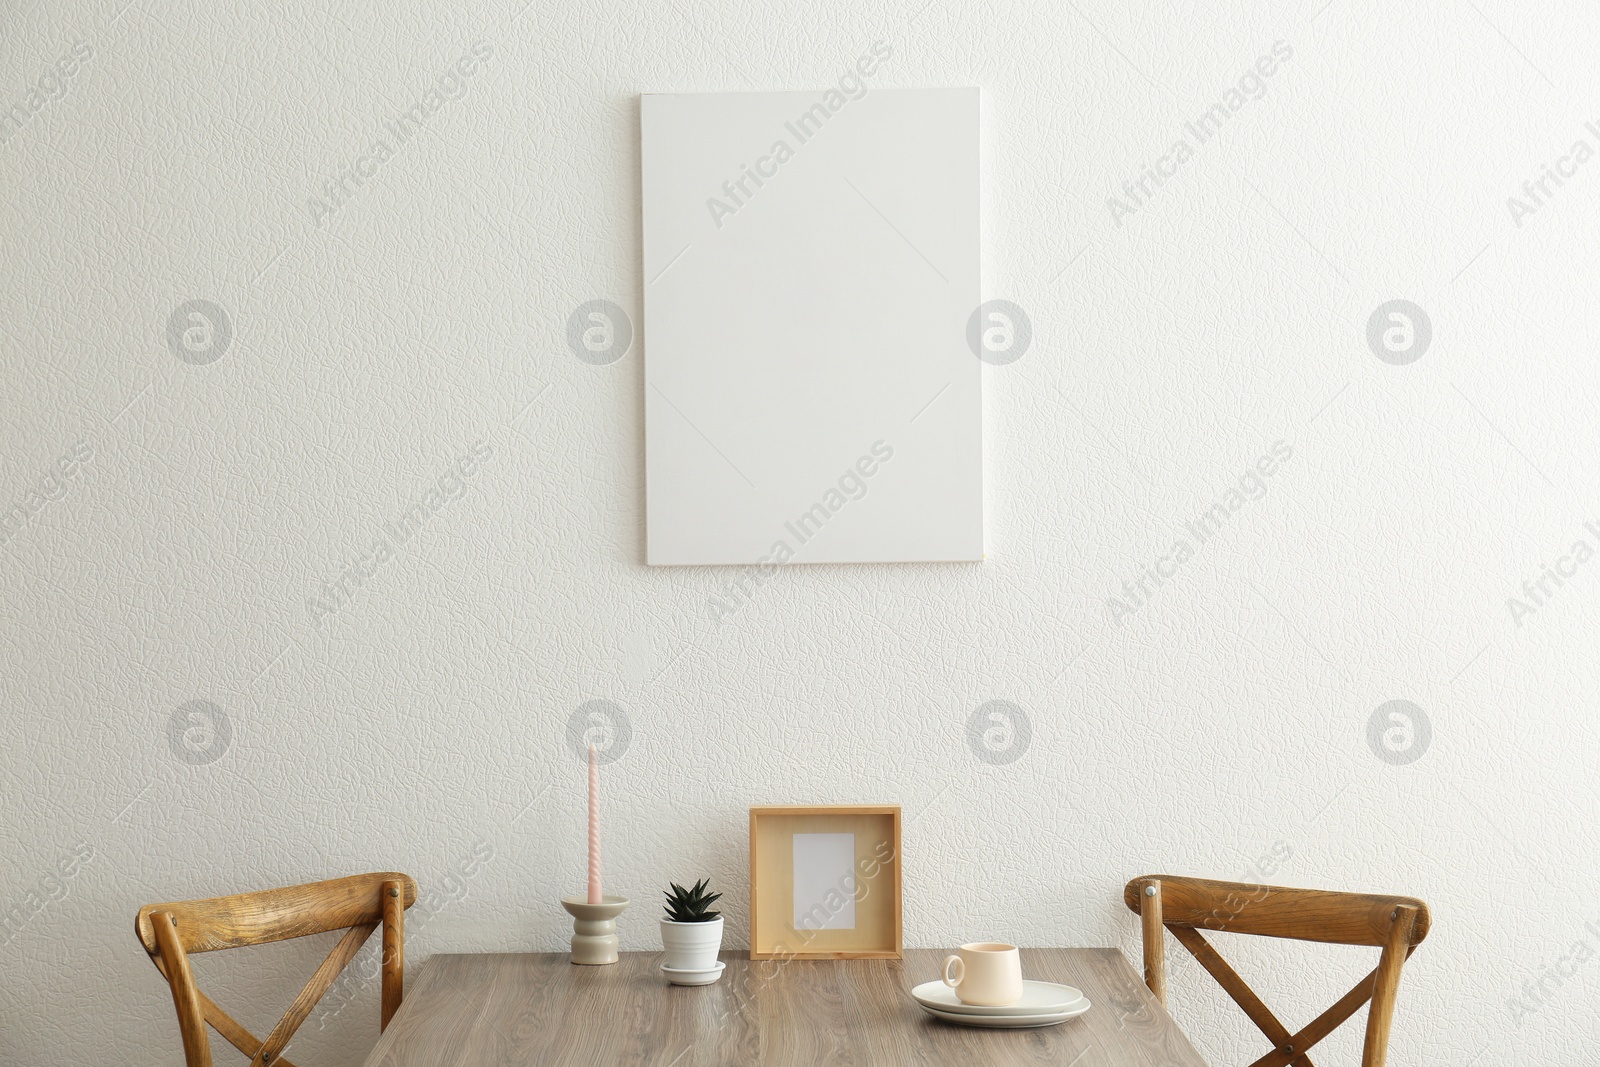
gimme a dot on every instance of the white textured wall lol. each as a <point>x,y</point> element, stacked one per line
<point>417,718</point>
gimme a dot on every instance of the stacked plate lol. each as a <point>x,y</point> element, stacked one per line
<point>1042,1004</point>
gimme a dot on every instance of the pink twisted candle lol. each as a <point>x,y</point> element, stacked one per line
<point>594,829</point>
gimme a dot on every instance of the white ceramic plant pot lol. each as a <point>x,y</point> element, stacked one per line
<point>691,946</point>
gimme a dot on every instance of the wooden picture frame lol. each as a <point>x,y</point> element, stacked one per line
<point>848,880</point>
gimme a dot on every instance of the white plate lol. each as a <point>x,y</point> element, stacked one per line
<point>706,977</point>
<point>1038,998</point>
<point>1009,1022</point>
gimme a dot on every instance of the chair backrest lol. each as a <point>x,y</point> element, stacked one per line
<point>1185,906</point>
<point>357,905</point>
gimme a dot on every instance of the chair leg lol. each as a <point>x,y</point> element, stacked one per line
<point>392,898</point>
<point>1386,984</point>
<point>185,996</point>
<point>1155,946</point>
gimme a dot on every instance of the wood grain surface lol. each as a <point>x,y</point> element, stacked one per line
<point>525,1009</point>
<point>1277,911</point>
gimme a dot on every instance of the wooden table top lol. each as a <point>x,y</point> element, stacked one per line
<point>537,1008</point>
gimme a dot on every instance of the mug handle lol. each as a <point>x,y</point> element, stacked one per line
<point>961,967</point>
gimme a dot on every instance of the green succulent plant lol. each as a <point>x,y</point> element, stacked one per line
<point>690,905</point>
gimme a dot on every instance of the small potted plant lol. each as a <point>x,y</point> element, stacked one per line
<point>692,935</point>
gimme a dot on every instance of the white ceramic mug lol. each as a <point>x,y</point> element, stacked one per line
<point>987,973</point>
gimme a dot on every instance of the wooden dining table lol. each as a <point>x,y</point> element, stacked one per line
<point>515,1009</point>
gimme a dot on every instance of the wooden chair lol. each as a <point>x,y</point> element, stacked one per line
<point>1186,905</point>
<point>170,932</point>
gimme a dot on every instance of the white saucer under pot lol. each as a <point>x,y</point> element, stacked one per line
<point>697,977</point>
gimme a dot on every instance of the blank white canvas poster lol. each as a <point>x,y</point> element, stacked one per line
<point>811,261</point>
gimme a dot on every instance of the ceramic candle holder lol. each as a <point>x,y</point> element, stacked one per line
<point>594,928</point>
